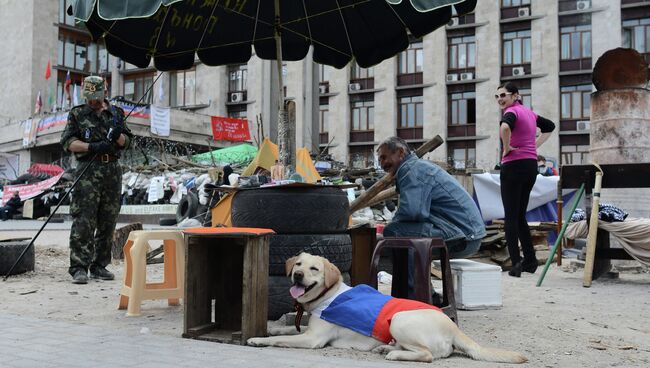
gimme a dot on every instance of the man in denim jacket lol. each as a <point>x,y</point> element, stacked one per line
<point>431,203</point>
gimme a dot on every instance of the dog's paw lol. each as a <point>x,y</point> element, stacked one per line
<point>384,349</point>
<point>257,341</point>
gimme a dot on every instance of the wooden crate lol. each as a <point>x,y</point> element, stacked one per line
<point>226,287</point>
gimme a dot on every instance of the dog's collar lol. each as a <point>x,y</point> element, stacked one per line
<point>300,309</point>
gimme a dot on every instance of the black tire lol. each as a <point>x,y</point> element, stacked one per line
<point>280,301</point>
<point>187,207</point>
<point>313,210</point>
<point>337,248</point>
<point>167,221</point>
<point>9,252</point>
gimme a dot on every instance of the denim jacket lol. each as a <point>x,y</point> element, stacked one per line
<point>433,198</point>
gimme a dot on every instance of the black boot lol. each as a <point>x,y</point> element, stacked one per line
<point>99,272</point>
<point>529,266</point>
<point>515,271</point>
<point>80,277</point>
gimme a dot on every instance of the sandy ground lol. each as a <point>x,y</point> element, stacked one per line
<point>560,324</point>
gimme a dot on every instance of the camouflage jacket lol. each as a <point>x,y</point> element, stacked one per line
<point>86,126</point>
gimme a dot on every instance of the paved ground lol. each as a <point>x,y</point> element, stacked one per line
<point>30,342</point>
<point>45,321</point>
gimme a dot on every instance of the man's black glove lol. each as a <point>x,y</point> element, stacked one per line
<point>100,147</point>
<point>114,133</point>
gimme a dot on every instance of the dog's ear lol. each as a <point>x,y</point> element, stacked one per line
<point>332,273</point>
<point>288,265</point>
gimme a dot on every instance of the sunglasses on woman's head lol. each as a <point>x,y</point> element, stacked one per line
<point>502,95</point>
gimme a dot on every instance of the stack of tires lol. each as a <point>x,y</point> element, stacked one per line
<point>310,219</point>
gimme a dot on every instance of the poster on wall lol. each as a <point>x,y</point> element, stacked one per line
<point>9,166</point>
<point>29,133</point>
<point>160,120</point>
<point>230,129</point>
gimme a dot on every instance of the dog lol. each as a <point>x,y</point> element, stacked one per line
<point>419,335</point>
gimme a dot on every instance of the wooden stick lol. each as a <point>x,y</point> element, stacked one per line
<point>593,230</point>
<point>384,195</point>
<point>384,182</point>
<point>188,162</point>
<point>560,203</point>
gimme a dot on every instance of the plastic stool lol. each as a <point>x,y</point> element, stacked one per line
<point>135,288</point>
<point>423,253</point>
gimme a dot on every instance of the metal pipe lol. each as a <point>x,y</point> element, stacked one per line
<point>558,241</point>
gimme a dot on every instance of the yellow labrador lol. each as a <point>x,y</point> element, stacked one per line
<point>418,335</point>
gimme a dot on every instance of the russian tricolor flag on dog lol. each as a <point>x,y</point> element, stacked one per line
<point>366,310</point>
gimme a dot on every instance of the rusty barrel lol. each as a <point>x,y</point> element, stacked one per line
<point>620,126</point>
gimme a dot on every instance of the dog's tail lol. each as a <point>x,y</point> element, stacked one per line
<point>475,351</point>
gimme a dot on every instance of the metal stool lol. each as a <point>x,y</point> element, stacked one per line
<point>423,249</point>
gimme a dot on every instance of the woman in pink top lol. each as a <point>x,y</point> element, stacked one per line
<point>518,131</point>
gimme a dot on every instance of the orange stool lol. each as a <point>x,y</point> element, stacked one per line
<point>135,288</point>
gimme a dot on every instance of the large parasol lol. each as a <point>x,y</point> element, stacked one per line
<point>220,32</point>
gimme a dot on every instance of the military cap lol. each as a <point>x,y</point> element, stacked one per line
<point>93,88</point>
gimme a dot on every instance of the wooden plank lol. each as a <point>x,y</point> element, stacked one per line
<point>364,240</point>
<point>255,288</point>
<point>196,300</point>
<point>614,175</point>
<point>436,273</point>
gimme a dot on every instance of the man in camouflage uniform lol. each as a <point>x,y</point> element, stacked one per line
<point>95,134</point>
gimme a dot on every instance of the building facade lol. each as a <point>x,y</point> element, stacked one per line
<point>442,84</point>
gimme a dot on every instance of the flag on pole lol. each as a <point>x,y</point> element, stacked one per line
<point>39,104</point>
<point>161,92</point>
<point>48,71</point>
<point>68,81</point>
<point>75,96</point>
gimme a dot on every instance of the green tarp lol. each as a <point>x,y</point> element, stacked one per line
<point>240,154</point>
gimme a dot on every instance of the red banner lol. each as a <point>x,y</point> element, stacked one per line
<point>230,129</point>
<point>27,191</point>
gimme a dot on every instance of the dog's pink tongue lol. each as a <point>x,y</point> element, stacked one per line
<point>296,291</point>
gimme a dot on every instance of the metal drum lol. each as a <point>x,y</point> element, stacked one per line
<point>620,126</point>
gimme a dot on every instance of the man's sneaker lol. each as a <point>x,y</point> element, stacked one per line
<point>80,277</point>
<point>101,273</point>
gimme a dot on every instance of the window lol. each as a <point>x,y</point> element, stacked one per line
<point>461,154</point>
<point>410,112</point>
<point>237,111</point>
<point>526,98</point>
<point>516,47</point>
<point>135,87</point>
<point>105,59</point>
<point>575,154</point>
<point>636,34</point>
<point>462,108</point>
<point>462,52</point>
<point>410,60</point>
<point>363,115</point>
<point>357,72</point>
<point>323,118</point>
<point>238,78</point>
<point>575,42</point>
<point>64,18</point>
<point>510,3</point>
<point>182,88</point>
<point>324,73</point>
<point>77,54</point>
<point>575,102</point>
<point>362,157</point>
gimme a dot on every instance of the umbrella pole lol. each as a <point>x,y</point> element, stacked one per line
<point>283,129</point>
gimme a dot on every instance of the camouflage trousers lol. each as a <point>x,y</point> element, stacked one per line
<point>94,207</point>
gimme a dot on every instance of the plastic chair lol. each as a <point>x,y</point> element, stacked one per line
<point>135,288</point>
<point>423,253</point>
